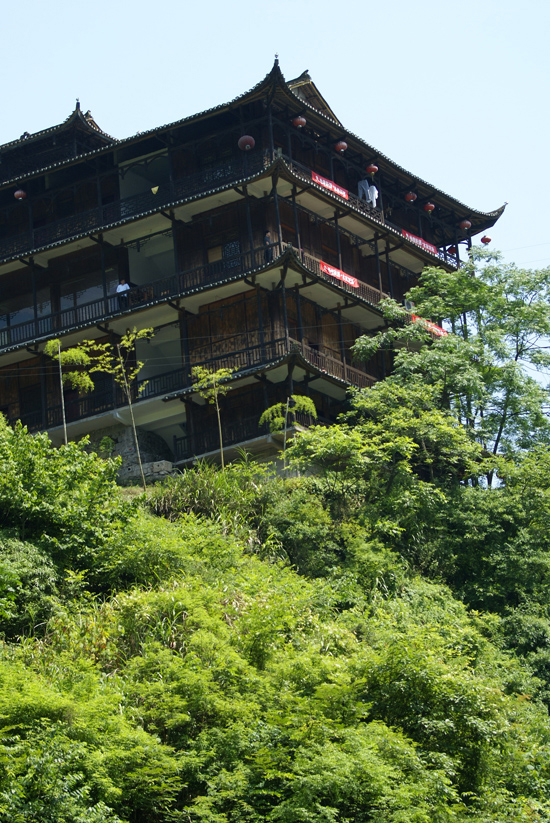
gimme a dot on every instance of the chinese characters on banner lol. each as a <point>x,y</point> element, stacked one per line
<point>330,185</point>
<point>419,242</point>
<point>429,326</point>
<point>338,274</point>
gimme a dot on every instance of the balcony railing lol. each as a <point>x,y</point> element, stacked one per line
<point>135,298</point>
<point>196,184</point>
<point>130,207</point>
<point>99,402</point>
<point>168,288</point>
<point>233,432</point>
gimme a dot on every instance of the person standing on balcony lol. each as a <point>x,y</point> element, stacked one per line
<point>121,290</point>
<point>268,253</point>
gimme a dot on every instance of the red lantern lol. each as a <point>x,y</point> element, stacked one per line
<point>429,207</point>
<point>372,169</point>
<point>246,142</point>
<point>299,122</point>
<point>410,197</point>
<point>486,240</point>
<point>452,250</point>
<point>20,194</point>
<point>341,146</point>
<point>465,225</point>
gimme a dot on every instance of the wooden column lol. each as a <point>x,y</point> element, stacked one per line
<point>296,221</point>
<point>338,247</point>
<point>277,214</point>
<point>184,341</point>
<point>378,269</point>
<point>299,314</point>
<point>249,228</point>
<point>260,321</point>
<point>388,267</point>
<point>342,343</point>
<point>285,313</point>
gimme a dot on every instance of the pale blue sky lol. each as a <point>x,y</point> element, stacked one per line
<point>456,92</point>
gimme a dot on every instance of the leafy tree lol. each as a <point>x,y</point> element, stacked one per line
<point>277,416</point>
<point>116,359</point>
<point>499,323</point>
<point>211,385</point>
<point>64,499</point>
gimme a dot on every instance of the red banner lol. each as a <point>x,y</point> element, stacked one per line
<point>330,185</point>
<point>339,275</point>
<point>429,326</point>
<point>419,242</point>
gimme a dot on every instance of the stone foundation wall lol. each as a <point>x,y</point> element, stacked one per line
<point>156,457</point>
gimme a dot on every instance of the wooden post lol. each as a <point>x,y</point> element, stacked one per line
<point>184,341</point>
<point>296,221</point>
<point>249,228</point>
<point>338,247</point>
<point>285,313</point>
<point>342,344</point>
<point>378,269</point>
<point>277,215</point>
<point>388,267</point>
<point>260,322</point>
<point>299,314</point>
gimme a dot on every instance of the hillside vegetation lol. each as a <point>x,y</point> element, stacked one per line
<point>365,639</point>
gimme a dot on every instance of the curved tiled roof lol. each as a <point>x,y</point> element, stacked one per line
<point>86,120</point>
<point>275,81</point>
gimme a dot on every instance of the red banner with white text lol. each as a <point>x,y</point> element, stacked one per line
<point>429,326</point>
<point>330,185</point>
<point>419,242</point>
<point>339,275</point>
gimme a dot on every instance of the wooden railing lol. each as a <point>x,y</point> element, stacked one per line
<point>168,288</point>
<point>176,380</point>
<point>128,208</point>
<point>233,432</point>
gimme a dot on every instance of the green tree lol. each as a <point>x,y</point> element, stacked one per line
<point>276,416</point>
<point>116,359</point>
<point>498,319</point>
<point>212,385</point>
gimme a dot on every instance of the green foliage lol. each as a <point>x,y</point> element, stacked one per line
<point>90,356</point>
<point>65,500</point>
<point>117,359</point>
<point>211,386</point>
<point>499,319</point>
<point>28,586</point>
<point>276,416</point>
<point>261,648</point>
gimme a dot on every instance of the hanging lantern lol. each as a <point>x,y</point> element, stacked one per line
<point>20,194</point>
<point>372,169</point>
<point>246,142</point>
<point>485,239</point>
<point>465,225</point>
<point>410,197</point>
<point>341,146</point>
<point>299,122</point>
<point>429,207</point>
<point>452,250</point>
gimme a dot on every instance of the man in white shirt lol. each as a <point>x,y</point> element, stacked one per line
<point>121,290</point>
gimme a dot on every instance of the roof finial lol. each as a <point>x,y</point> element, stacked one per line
<point>276,59</point>
<point>78,104</point>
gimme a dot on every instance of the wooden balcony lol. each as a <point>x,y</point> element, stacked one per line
<point>139,205</point>
<point>161,291</point>
<point>176,381</point>
<point>193,185</point>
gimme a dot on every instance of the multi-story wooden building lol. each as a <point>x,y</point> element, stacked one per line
<point>259,235</point>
